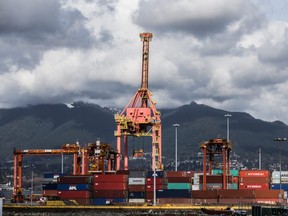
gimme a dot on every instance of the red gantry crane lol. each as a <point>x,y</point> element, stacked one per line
<point>140,118</point>
<point>212,148</point>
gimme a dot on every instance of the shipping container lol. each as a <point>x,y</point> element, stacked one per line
<point>256,180</point>
<point>216,179</point>
<point>159,181</point>
<point>107,201</point>
<point>136,195</point>
<point>179,186</point>
<point>53,175</point>
<point>136,188</point>
<point>50,193</point>
<point>254,173</point>
<point>75,179</point>
<point>137,174</point>
<point>175,174</point>
<point>205,194</point>
<point>110,186</point>
<point>187,201</point>
<point>179,180</point>
<point>74,194</point>
<point>110,178</point>
<point>276,174</point>
<point>136,181</point>
<point>123,172</point>
<point>195,187</point>
<point>137,200</point>
<point>158,187</point>
<point>277,187</point>
<point>173,193</point>
<point>51,186</point>
<point>268,194</point>
<point>76,187</point>
<point>254,186</point>
<point>159,174</point>
<point>236,194</point>
<point>110,193</point>
<point>220,172</point>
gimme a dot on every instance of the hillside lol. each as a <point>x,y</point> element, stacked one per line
<point>49,126</point>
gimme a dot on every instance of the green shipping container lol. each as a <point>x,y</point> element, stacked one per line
<point>219,172</point>
<point>179,186</point>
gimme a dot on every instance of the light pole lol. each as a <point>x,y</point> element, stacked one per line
<point>31,194</point>
<point>228,116</point>
<point>280,165</point>
<point>176,126</point>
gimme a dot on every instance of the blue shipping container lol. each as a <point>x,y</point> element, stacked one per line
<point>159,174</point>
<point>105,201</point>
<point>49,186</point>
<point>136,195</point>
<point>174,193</point>
<point>53,175</point>
<point>75,187</point>
<point>277,187</point>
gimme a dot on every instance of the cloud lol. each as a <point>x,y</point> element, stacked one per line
<point>229,56</point>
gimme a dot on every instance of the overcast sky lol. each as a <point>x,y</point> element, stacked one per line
<point>228,54</point>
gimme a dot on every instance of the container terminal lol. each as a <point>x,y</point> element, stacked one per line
<point>102,181</point>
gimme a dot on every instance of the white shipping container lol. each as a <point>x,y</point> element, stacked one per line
<point>276,174</point>
<point>136,201</point>
<point>195,187</point>
<point>136,181</point>
<point>277,180</point>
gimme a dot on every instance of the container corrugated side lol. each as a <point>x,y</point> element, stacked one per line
<point>159,174</point>
<point>174,201</point>
<point>106,201</point>
<point>159,181</point>
<point>136,188</point>
<point>136,195</point>
<point>50,193</point>
<point>74,194</point>
<point>51,186</point>
<point>137,200</point>
<point>110,186</point>
<point>253,186</point>
<point>110,178</point>
<point>179,186</point>
<point>277,187</point>
<point>179,179</point>
<point>76,187</point>
<point>173,193</point>
<point>110,193</point>
<point>254,173</point>
<point>75,179</point>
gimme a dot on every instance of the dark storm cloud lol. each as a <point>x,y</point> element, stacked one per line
<point>33,27</point>
<point>199,18</point>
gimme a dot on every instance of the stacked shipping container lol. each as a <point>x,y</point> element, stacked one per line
<point>254,179</point>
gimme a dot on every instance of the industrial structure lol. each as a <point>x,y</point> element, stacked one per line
<point>215,148</point>
<point>140,118</point>
<point>86,160</point>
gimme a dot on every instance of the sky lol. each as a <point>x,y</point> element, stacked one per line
<point>227,54</point>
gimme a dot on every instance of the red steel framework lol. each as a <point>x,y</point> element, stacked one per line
<point>86,160</point>
<point>140,118</point>
<point>212,148</point>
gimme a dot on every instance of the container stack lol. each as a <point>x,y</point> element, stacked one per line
<point>136,186</point>
<point>275,181</point>
<point>49,185</point>
<point>110,189</point>
<point>254,179</point>
<point>161,184</point>
<point>196,181</point>
<point>76,188</point>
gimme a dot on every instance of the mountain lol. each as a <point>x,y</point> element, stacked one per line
<point>50,126</point>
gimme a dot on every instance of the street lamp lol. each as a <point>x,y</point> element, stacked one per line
<point>176,126</point>
<point>228,116</point>
<point>280,164</point>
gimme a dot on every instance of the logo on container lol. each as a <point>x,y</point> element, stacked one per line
<point>72,188</point>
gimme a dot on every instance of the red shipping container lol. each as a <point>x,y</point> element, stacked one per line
<point>158,187</point>
<point>159,181</point>
<point>50,193</point>
<point>110,186</point>
<point>254,173</point>
<point>149,194</point>
<point>253,186</point>
<point>75,179</point>
<point>110,178</point>
<point>110,194</point>
<point>75,194</point>
<point>268,194</point>
<point>179,179</point>
<point>175,174</point>
<point>256,180</point>
<point>136,188</point>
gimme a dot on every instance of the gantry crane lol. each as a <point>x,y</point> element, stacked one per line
<point>140,117</point>
<point>212,148</point>
<point>86,160</point>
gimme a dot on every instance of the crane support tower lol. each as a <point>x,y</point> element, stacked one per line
<point>212,148</point>
<point>140,118</point>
